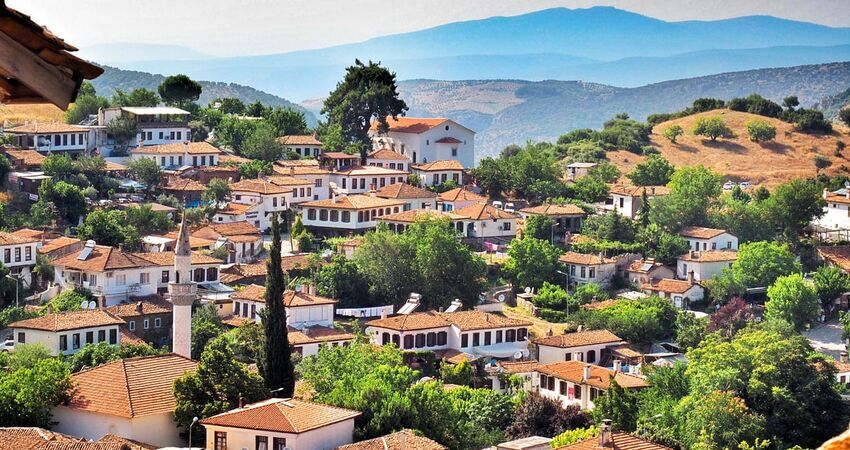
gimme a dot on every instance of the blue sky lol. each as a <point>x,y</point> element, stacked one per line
<point>247,27</point>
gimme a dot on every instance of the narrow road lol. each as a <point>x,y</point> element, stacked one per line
<point>826,338</point>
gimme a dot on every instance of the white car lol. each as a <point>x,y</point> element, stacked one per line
<point>728,185</point>
<point>497,204</point>
<point>7,346</point>
<point>744,185</point>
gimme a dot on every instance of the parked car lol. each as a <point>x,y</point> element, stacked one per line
<point>7,346</point>
<point>744,185</point>
<point>509,207</point>
<point>728,185</point>
<point>497,204</point>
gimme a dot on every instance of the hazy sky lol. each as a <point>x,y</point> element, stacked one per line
<point>243,27</point>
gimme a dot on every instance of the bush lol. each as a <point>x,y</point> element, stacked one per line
<point>760,131</point>
<point>713,128</point>
<point>672,132</point>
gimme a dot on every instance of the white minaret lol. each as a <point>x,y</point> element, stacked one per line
<point>182,294</point>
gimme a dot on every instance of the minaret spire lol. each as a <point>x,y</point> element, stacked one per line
<point>182,293</point>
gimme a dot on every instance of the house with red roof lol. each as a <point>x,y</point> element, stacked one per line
<point>302,144</point>
<point>254,201</point>
<point>589,346</point>
<point>66,333</point>
<point>425,140</point>
<point>18,252</point>
<point>435,173</point>
<point>389,159</point>
<point>580,383</point>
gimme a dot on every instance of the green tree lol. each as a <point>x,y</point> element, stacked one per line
<point>70,300</point>
<point>830,282</point>
<point>341,279</point>
<point>654,171</point>
<point>672,132</point>
<point>531,262</point>
<point>792,299</point>
<point>791,102</point>
<point>93,355</point>
<point>59,166</point>
<point>29,393</point>
<point>278,370</point>
<point>609,227</point>
<point>216,192</point>
<point>635,321</point>
<point>690,330</point>
<point>122,131</point>
<point>541,416</point>
<point>230,105</point>
<point>760,131</point>
<point>86,105</point>
<point>106,227</point>
<point>136,97</point>
<point>460,373</point>
<point>14,313</point>
<point>255,169</point>
<point>713,128</point>
<point>492,175</point>
<point>206,326</point>
<point>539,226</point>
<point>717,421</point>
<point>619,405</point>
<point>367,93</point>
<point>262,144</point>
<point>759,264</point>
<point>256,109</point>
<point>67,198</point>
<point>821,162</point>
<point>179,90</point>
<point>844,116</point>
<point>220,384</point>
<point>692,191</point>
<point>794,205</point>
<point>147,171</point>
<point>286,121</point>
<point>5,169</point>
<point>148,221</point>
<point>551,296</point>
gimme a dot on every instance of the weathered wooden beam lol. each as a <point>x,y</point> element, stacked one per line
<point>35,73</point>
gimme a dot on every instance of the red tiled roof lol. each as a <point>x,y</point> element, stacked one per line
<point>483,211</point>
<point>409,124</point>
<point>258,186</point>
<point>166,259</point>
<point>404,191</point>
<point>838,255</point>
<point>356,201</point>
<point>183,185</point>
<point>415,214</point>
<point>637,191</point>
<point>284,180</point>
<point>464,320</point>
<point>282,415</point>
<point>130,387</point>
<point>15,239</point>
<point>30,438</point>
<point>46,128</point>
<point>71,320</point>
<point>235,209</point>
<point>461,194</point>
<point>387,154</point>
<point>448,140</point>
<point>232,228</point>
<point>291,299</point>
<point>619,441</point>
<point>701,232</point>
<point>317,334</point>
<point>440,165</point>
<point>141,306</point>
<point>579,338</point>
<point>669,285</point>
<point>26,157</point>
<point>299,139</point>
<point>400,440</point>
<point>131,444</point>
<point>584,259</point>
<point>101,259</point>
<point>58,243</point>
<point>357,171</point>
<point>518,366</point>
<point>600,377</point>
<point>710,256</point>
<point>549,209</point>
<point>195,148</point>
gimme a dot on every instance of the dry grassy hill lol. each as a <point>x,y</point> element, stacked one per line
<point>790,155</point>
<point>11,115</point>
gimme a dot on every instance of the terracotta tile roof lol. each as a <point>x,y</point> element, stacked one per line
<point>183,185</point>
<point>549,209</point>
<point>461,194</point>
<point>584,259</point>
<point>71,320</point>
<point>156,207</point>
<point>235,321</point>
<point>46,127</point>
<point>252,292</point>
<point>360,171</point>
<point>579,338</point>
<point>15,239</point>
<point>101,259</point>
<point>128,337</point>
<point>317,334</point>
<point>28,233</point>
<point>483,211</point>
<point>299,139</point>
<point>177,148</point>
<point>669,285</point>
<point>83,446</point>
<point>356,201</point>
<point>464,320</point>
<point>400,440</point>
<point>619,441</point>
<point>404,190</point>
<point>836,198</point>
<point>30,438</point>
<point>841,366</point>
<point>167,258</point>
<point>233,228</point>
<point>637,191</point>
<point>600,377</point>
<point>194,242</point>
<point>710,256</point>
<point>131,444</point>
<point>299,170</point>
<point>239,272</point>
<point>601,304</point>
<point>58,243</point>
<point>285,180</point>
<point>644,265</point>
<point>26,157</point>
<point>297,162</point>
<point>415,214</point>
<point>415,125</point>
<point>626,350</point>
<point>235,209</point>
<point>838,255</point>
<point>291,299</point>
<point>453,356</point>
<point>130,387</point>
<point>258,186</point>
<point>701,232</point>
<point>228,158</point>
<point>141,306</point>
<point>448,140</point>
<point>387,154</point>
<point>518,366</point>
<point>840,442</point>
<point>110,166</point>
<point>339,155</point>
<point>282,415</point>
<point>440,165</point>
<point>240,238</point>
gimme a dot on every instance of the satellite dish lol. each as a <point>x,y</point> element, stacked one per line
<point>518,355</point>
<point>92,304</point>
<point>527,290</point>
<point>84,304</point>
<point>501,297</point>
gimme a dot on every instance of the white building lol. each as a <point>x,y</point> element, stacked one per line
<point>584,346</point>
<point>129,397</point>
<point>321,178</point>
<point>412,196</point>
<point>54,137</point>
<point>305,145</point>
<point>362,179</point>
<point>484,221</point>
<point>254,201</point>
<point>704,264</point>
<point>579,169</point>
<point>458,198</point>
<point>179,154</point>
<point>702,238</point>
<point>347,213</point>
<point>242,239</point>
<point>435,173</point>
<point>836,213</point>
<point>277,424</point>
<point>302,189</point>
<point>643,270</point>
<point>842,367</point>
<point>680,292</point>
<point>389,159</point>
<point>155,125</point>
<point>67,332</point>
<point>18,255</point>
<point>627,200</point>
<point>426,139</point>
<point>474,333</point>
<point>567,217</point>
<point>585,268</point>
<point>579,383</point>
<point>399,222</point>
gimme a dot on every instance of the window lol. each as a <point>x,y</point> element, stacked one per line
<point>274,202</point>
<point>476,339</point>
<point>583,271</point>
<point>572,270</point>
<point>568,356</point>
<point>591,272</point>
<point>521,334</point>
<point>244,310</point>
<point>75,341</point>
<point>157,322</point>
<point>194,160</point>
<point>344,181</point>
<point>498,336</point>
<point>101,335</point>
<point>165,276</point>
<point>323,215</point>
<point>113,336</point>
<point>212,274</point>
<point>253,311</point>
<point>594,393</point>
<point>236,308</point>
<point>121,280</point>
<point>408,342</point>
<point>27,253</point>
<point>563,386</point>
<point>442,338</point>
<point>487,337</point>
<point>22,338</point>
<point>385,338</point>
<point>262,443</point>
<point>17,254</point>
<point>431,339</point>
<point>464,340</point>
<point>510,336</point>
<point>318,182</point>
<point>591,356</point>
<point>334,216</point>
<point>714,245</point>
<point>146,324</point>
<point>63,343</point>
<point>144,278</point>
<point>507,226</point>
<point>199,275</point>
<point>397,340</point>
<point>132,325</point>
<point>57,140</point>
<point>278,443</point>
<point>550,383</point>
<point>420,340</point>
<point>311,214</point>
<point>7,255</point>
<point>92,280</point>
<point>454,151</point>
<point>89,337</point>
<point>220,440</point>
<point>346,216</point>
<point>542,381</point>
<point>161,135</point>
<point>577,391</point>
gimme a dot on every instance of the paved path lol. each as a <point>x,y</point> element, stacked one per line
<point>826,338</point>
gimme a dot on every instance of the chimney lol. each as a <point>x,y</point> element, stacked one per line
<point>292,171</point>
<point>618,366</point>
<point>825,192</point>
<point>549,332</point>
<point>139,306</point>
<point>842,357</point>
<point>586,372</point>
<point>579,329</point>
<point>691,277</point>
<point>373,193</point>
<point>601,258</point>
<point>334,198</point>
<point>185,146</point>
<point>383,313</point>
<point>847,193</point>
<point>605,438</point>
<point>693,253</point>
<point>312,288</point>
<point>50,308</point>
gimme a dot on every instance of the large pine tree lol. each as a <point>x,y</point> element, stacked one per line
<point>277,367</point>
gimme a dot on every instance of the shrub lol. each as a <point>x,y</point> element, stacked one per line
<point>760,131</point>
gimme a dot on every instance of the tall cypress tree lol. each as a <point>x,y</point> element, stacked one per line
<point>277,367</point>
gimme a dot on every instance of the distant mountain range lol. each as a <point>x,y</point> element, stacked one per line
<point>600,44</point>
<point>127,80</point>
<point>505,112</point>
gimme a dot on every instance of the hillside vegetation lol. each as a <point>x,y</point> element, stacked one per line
<point>11,115</point>
<point>790,155</point>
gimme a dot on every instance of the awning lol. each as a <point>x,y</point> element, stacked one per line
<point>503,350</point>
